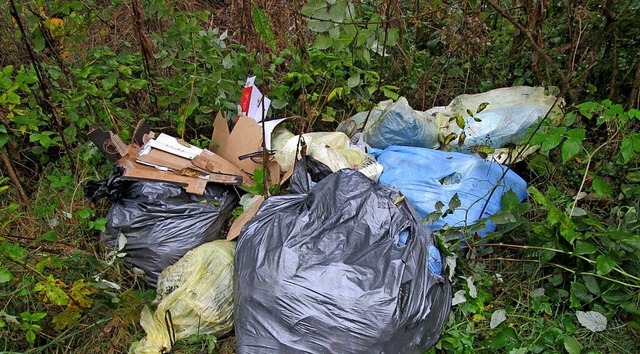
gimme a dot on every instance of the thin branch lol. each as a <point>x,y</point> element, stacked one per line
<point>522,29</point>
<point>24,200</point>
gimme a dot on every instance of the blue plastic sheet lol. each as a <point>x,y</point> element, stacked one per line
<point>426,176</point>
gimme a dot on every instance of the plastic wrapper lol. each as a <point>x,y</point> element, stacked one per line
<point>197,291</point>
<point>334,149</point>
<point>393,123</point>
<point>428,176</point>
<point>161,222</point>
<point>325,271</point>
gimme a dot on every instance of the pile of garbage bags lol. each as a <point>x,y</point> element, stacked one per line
<point>344,262</point>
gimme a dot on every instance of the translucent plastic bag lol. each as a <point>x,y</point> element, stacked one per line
<point>505,120</point>
<point>334,149</point>
<point>393,123</point>
<point>427,176</point>
<point>195,297</point>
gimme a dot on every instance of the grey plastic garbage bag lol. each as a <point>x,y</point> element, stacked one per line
<point>162,222</point>
<point>429,176</point>
<point>323,272</point>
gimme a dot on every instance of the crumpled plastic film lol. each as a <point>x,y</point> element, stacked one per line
<point>324,271</point>
<point>198,292</point>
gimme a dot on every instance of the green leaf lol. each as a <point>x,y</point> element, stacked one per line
<point>576,134</point>
<point>482,106</point>
<point>4,136</point>
<point>591,284</point>
<point>13,98</point>
<point>353,81</point>
<point>604,264</point>
<point>455,203</point>
<point>571,345</point>
<point>616,296</point>
<point>580,292</point>
<point>628,147</point>
<point>5,275</point>
<point>31,336</point>
<point>388,92</point>
<point>583,247</point>
<point>570,148</point>
<point>552,138</point>
<point>460,121</point>
<point>38,42</point>
<point>323,42</point>
<point>600,187</point>
<point>49,236</point>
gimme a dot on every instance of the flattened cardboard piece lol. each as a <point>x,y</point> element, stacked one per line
<point>165,159</point>
<point>239,223</point>
<point>158,158</point>
<point>245,138</point>
<point>142,129</point>
<point>211,162</point>
<point>108,143</point>
<point>136,171</point>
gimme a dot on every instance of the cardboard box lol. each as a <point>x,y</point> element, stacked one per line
<point>244,139</point>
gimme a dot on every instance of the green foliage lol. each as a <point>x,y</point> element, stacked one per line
<point>573,248</point>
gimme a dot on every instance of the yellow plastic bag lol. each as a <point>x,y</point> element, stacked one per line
<point>197,291</point>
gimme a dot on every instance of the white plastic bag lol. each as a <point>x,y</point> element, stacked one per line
<point>505,120</point>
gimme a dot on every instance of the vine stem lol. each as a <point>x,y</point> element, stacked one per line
<point>586,171</point>
<point>557,266</point>
<point>617,269</point>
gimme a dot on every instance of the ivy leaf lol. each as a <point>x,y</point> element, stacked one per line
<point>455,203</point>
<point>592,320</point>
<point>353,81</point>
<point>51,288</point>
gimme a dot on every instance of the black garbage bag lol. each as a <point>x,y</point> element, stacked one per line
<point>343,268</point>
<point>162,222</point>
